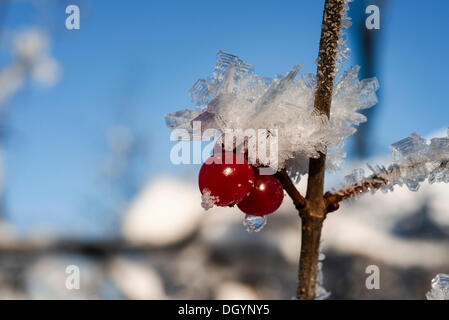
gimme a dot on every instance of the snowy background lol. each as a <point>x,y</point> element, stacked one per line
<point>85,172</point>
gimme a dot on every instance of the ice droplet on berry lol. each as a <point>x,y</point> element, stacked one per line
<point>254,223</point>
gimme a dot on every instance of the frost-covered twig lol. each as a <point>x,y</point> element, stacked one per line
<point>381,180</point>
<point>314,213</point>
<point>414,162</point>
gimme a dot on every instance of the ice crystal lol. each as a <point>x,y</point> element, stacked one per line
<point>207,200</point>
<point>409,150</point>
<point>320,292</point>
<point>414,161</point>
<point>355,177</point>
<point>440,288</point>
<point>254,223</point>
<point>237,98</point>
<point>438,149</point>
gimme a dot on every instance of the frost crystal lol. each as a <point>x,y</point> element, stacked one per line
<point>438,149</point>
<point>237,98</point>
<point>414,161</point>
<point>411,149</point>
<point>179,119</point>
<point>207,200</point>
<point>420,161</point>
<point>320,292</point>
<point>254,223</point>
<point>355,177</point>
<point>440,288</point>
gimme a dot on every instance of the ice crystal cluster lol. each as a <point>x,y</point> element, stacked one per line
<point>414,161</point>
<point>440,288</point>
<point>208,201</point>
<point>235,97</point>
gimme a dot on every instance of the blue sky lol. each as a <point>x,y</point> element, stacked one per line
<point>134,61</point>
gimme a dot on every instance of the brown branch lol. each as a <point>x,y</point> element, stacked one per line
<point>374,182</point>
<point>298,200</point>
<point>314,213</point>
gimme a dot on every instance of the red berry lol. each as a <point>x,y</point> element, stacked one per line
<point>265,198</point>
<point>227,183</point>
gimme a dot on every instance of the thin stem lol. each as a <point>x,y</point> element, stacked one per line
<point>308,263</point>
<point>314,213</point>
<point>298,200</point>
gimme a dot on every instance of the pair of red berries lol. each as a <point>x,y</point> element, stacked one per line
<point>229,179</point>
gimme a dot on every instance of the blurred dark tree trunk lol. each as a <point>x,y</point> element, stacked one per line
<point>367,48</point>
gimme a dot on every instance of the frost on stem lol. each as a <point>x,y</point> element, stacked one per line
<point>414,161</point>
<point>320,292</point>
